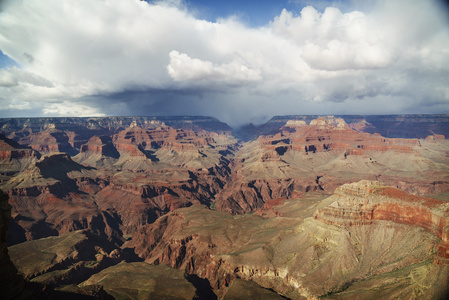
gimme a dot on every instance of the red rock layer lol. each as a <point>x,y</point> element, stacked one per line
<point>59,195</point>
<point>240,196</point>
<point>327,134</point>
<point>49,141</point>
<point>10,149</point>
<point>136,139</point>
<point>17,154</point>
<point>363,202</point>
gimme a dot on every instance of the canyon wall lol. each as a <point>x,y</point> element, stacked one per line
<point>364,202</point>
<point>391,126</point>
<point>11,284</point>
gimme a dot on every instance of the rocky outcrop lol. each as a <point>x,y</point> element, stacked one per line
<point>101,145</point>
<point>49,141</point>
<point>10,149</point>
<point>332,134</point>
<point>166,137</point>
<point>125,280</point>
<point>68,258</point>
<point>240,197</point>
<point>364,202</point>
<point>14,157</point>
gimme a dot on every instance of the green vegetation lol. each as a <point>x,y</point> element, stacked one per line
<point>213,205</point>
<point>92,263</point>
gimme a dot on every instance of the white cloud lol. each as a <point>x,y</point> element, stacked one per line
<point>184,68</point>
<point>336,41</point>
<point>74,50</point>
<point>7,79</point>
<point>71,109</point>
<point>14,76</point>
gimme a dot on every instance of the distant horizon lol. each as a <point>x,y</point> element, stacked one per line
<point>215,118</point>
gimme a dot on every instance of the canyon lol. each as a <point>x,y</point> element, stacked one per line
<point>300,207</point>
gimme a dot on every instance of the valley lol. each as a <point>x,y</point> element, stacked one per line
<point>330,207</point>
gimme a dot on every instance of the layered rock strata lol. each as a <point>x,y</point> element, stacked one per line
<point>295,254</point>
<point>123,182</point>
<point>364,202</point>
<point>325,153</point>
<point>391,126</point>
<point>14,157</point>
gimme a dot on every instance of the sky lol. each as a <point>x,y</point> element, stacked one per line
<point>239,61</point>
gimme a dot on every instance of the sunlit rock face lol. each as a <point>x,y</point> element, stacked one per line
<point>325,153</point>
<point>316,247</point>
<point>364,202</point>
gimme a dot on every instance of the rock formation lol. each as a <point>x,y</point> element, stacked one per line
<point>298,255</point>
<point>11,285</point>
<point>67,259</point>
<point>178,191</point>
<point>325,154</point>
<point>14,157</point>
<point>391,126</point>
<point>364,202</point>
<point>124,182</point>
<point>126,280</point>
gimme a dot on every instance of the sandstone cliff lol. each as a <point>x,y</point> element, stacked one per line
<point>14,157</point>
<point>366,201</point>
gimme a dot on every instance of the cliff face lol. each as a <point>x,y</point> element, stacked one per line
<point>332,253</point>
<point>178,195</point>
<point>15,157</point>
<point>11,284</point>
<point>391,126</point>
<point>324,153</point>
<point>66,259</point>
<point>138,141</point>
<point>366,201</point>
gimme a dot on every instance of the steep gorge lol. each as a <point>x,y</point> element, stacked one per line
<point>297,255</point>
<point>183,196</point>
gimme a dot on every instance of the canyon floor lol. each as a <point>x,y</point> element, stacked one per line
<point>301,207</point>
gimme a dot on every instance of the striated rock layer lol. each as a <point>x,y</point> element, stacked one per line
<point>326,153</point>
<point>166,190</point>
<point>391,126</point>
<point>298,255</point>
<point>115,185</point>
<point>142,169</point>
<point>14,157</point>
<point>364,202</point>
